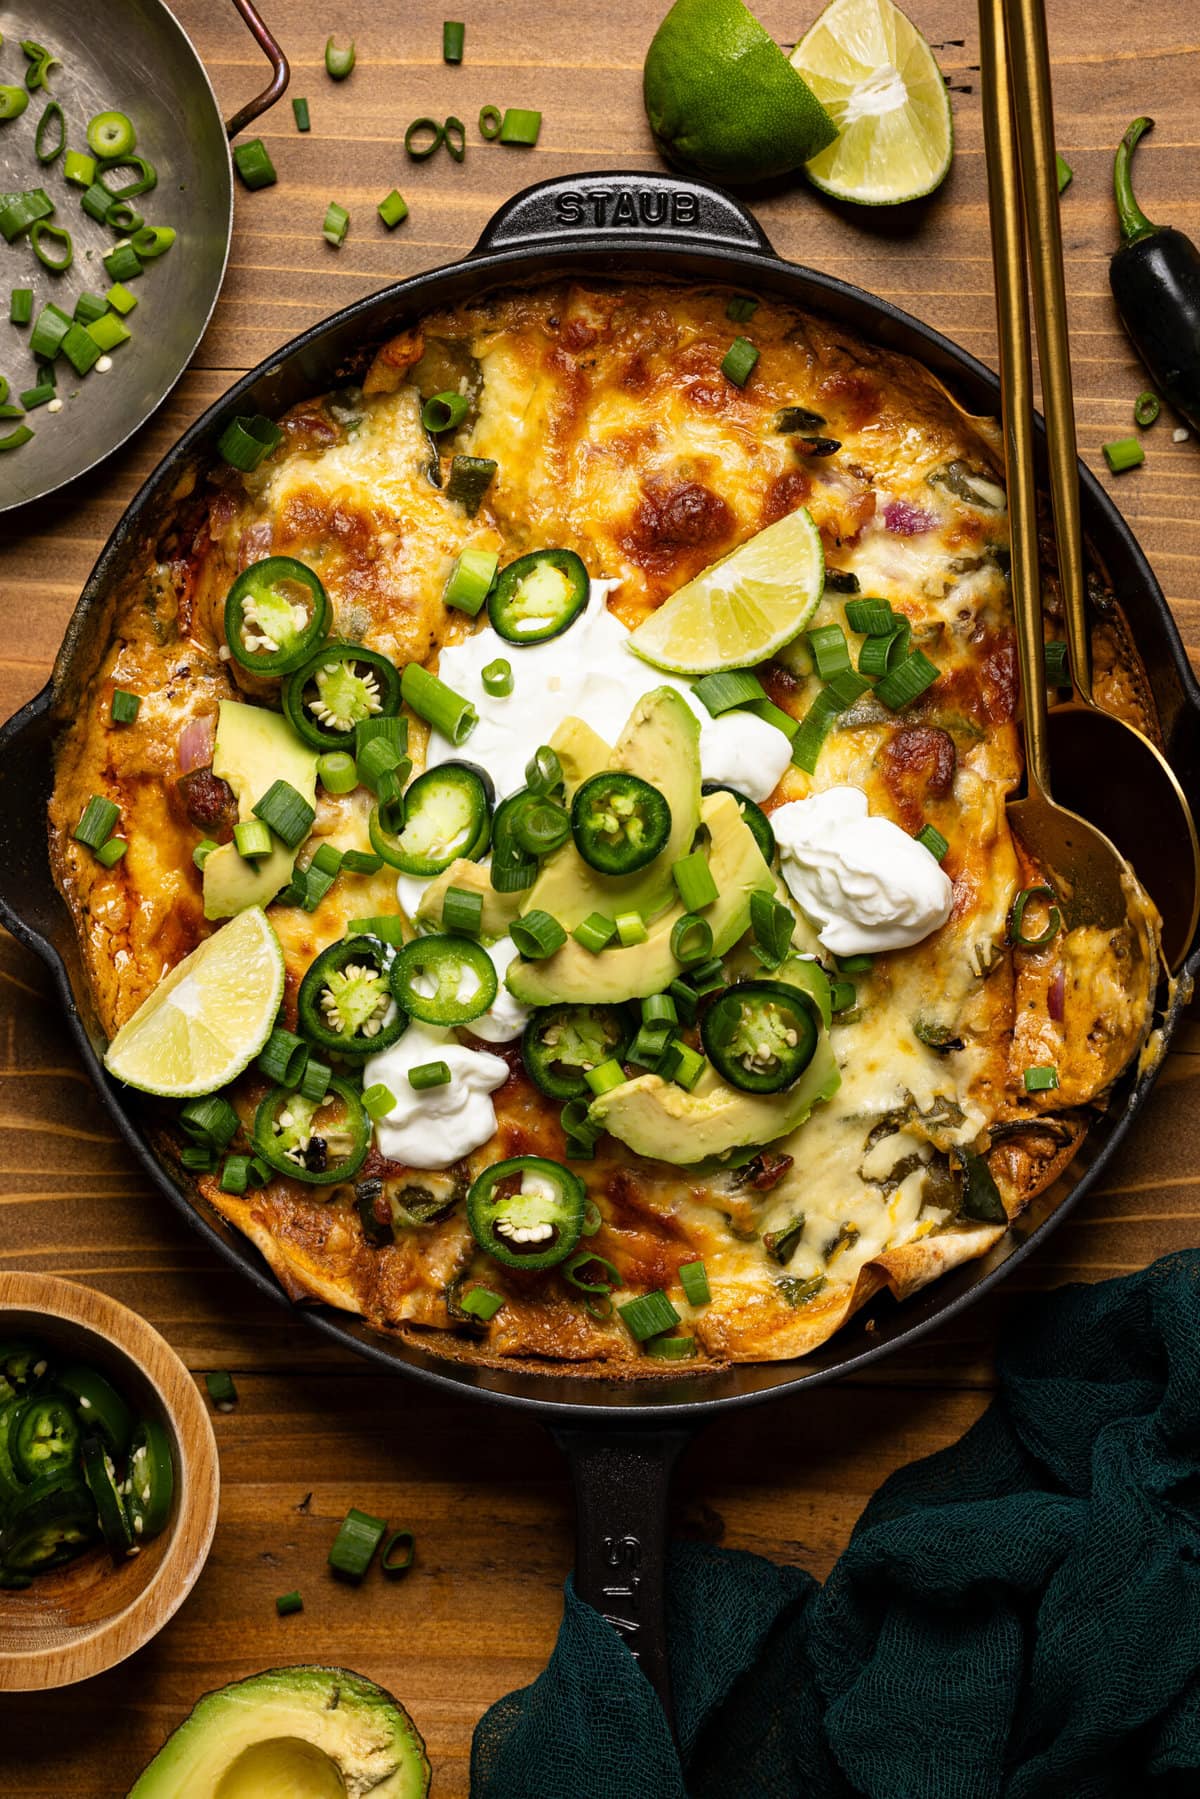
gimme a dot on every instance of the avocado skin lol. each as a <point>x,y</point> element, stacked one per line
<point>253,748</point>
<point>573,973</point>
<point>363,1730</point>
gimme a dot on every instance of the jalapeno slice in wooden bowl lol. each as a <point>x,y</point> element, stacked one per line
<point>276,614</point>
<point>51,1522</point>
<point>44,1436</point>
<point>320,1142</point>
<point>345,1004</point>
<point>338,687</point>
<point>561,1043</point>
<point>760,1036</point>
<point>150,1483</point>
<point>527,1212</point>
<point>619,822</point>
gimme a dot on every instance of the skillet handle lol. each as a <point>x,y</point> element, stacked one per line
<point>622,1480</point>
<point>628,208</point>
<point>280,72</point>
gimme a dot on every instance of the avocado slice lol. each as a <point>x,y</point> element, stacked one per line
<point>499,909</point>
<point>661,744</point>
<point>582,752</point>
<point>660,1120</point>
<point>319,1731</point>
<point>573,973</point>
<point>253,748</point>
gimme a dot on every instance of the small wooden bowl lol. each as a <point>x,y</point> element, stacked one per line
<point>90,1614</point>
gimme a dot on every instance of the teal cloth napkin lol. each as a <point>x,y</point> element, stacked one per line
<point>1017,1617</point>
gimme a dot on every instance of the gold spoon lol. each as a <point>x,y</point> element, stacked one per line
<point>1094,884</point>
<point>1101,763</point>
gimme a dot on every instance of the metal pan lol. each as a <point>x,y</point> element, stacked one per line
<point>142,62</point>
<point>621,1439</point>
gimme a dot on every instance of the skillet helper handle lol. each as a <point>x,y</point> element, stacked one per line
<point>629,209</point>
<point>622,1481</point>
<point>280,72</point>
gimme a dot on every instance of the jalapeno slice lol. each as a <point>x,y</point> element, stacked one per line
<point>276,613</point>
<point>101,1479</point>
<point>23,1366</point>
<point>44,1436</point>
<point>151,1480</point>
<point>754,817</point>
<point>538,596</point>
<point>319,1141</point>
<point>619,822</point>
<point>345,1002</point>
<point>10,1481</point>
<point>447,814</point>
<point>99,1407</point>
<point>51,1522</point>
<point>337,688</point>
<point>561,1043</point>
<point>760,1036</point>
<point>527,1212</point>
<point>444,980</point>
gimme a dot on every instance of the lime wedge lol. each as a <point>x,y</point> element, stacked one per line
<point>208,1018</point>
<point>743,608</point>
<point>877,78</point>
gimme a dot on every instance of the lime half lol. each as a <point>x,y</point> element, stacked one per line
<point>877,78</point>
<point>208,1018</point>
<point>743,608</point>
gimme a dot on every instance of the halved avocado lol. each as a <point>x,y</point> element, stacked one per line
<point>322,1732</point>
<point>661,745</point>
<point>659,1120</point>
<point>253,748</point>
<point>573,973</point>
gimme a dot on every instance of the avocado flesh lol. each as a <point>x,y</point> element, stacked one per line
<point>573,973</point>
<point>253,748</point>
<point>661,745</point>
<point>499,909</point>
<point>321,1732</point>
<point>581,751</point>
<point>661,1121</point>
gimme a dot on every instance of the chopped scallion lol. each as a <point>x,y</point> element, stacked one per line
<point>336,225</point>
<point>481,1303</point>
<point>537,935</point>
<point>722,692</point>
<point>253,164</point>
<point>741,309</point>
<point>691,939</point>
<point>631,928</point>
<point>1041,1080</point>
<point>120,298</point>
<point>110,853</point>
<point>96,823</point>
<point>284,1058</point>
<point>300,113</point>
<point>672,1349</point>
<point>426,1075</point>
<point>904,683</point>
<point>470,478</point>
<point>682,1064</point>
<point>933,841</point>
<point>378,1100</point>
<point>20,305</point>
<point>338,63</point>
<point>125,706</point>
<point>605,1076</point>
<point>520,126</point>
<point>453,35</point>
<point>462,912</point>
<point>1146,409</point>
<point>441,708</point>
<point>393,209</point>
<point>246,441</point>
<point>79,169</point>
<point>694,882</point>
<point>221,1388</point>
<point>491,122</point>
<point>497,678</point>
<point>1124,454</point>
<point>288,1603</point>
<point>649,1315</point>
<point>595,932</point>
<point>397,1557</point>
<point>355,1544</point>
<point>336,772</point>
<point>739,360</point>
<point>694,1277</point>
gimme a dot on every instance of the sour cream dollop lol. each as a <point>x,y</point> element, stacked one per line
<point>441,1124</point>
<point>589,673</point>
<point>506,1017</point>
<point>866,885</point>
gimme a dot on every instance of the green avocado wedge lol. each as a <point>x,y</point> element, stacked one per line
<point>573,973</point>
<point>322,1732</point>
<point>254,747</point>
<point>661,1121</point>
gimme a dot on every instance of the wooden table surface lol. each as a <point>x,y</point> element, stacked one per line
<point>484,1492</point>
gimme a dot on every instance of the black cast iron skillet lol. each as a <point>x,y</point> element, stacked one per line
<point>621,1439</point>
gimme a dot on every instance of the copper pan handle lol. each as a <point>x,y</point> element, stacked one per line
<point>280,73</point>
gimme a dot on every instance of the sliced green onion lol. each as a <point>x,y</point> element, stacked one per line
<point>741,309</point>
<point>337,772</point>
<point>830,652</point>
<point>582,1137</point>
<point>682,1064</point>
<point>1055,663</point>
<point>1146,409</point>
<point>388,927</point>
<point>361,862</point>
<point>338,63</point>
<point>454,136</point>
<point>842,995</point>
<point>474,572</point>
<point>706,977</point>
<point>631,928</point>
<point>235,1178</point>
<point>287,813</point>
<point>470,478</point>
<point>1041,1080</point>
<point>497,678</point>
<point>203,851</point>
<point>659,1008</point>
<point>393,730</point>
<point>481,1303</point>
<point>694,1277</point>
<point>1016,918</point>
<point>685,999</point>
<point>595,932</point>
<point>397,1557</point>
<point>111,135</point>
<point>37,396</point>
<point>125,706</point>
<point>51,327</point>
<point>1125,453</point>
<point>89,308</point>
<point>739,361</point>
<point>429,1074</point>
<point>314,1082</point>
<point>79,169</point>
<point>145,176</point>
<point>904,683</point>
<point>196,1159</point>
<point>13,101</point>
<point>420,152</point>
<point>537,935</point>
<point>648,1045</point>
<point>543,771</point>
<point>123,216</point>
<point>220,1384</point>
<point>355,1544</point>
<point>605,1076</point>
<point>845,688</point>
<point>123,263</point>
<point>721,693</point>
<point>649,1315</point>
<point>774,715</point>
<point>284,1058</point>
<point>253,164</point>
<point>110,853</point>
<point>246,441</point>
<point>20,305</point>
<point>45,150</point>
<point>96,202</point>
<point>40,61</point>
<point>873,618</point>
<point>445,412</point>
<point>855,964</point>
<point>1064,172</point>
<point>693,881</point>
<point>210,1120</point>
<point>442,709</point>
<point>814,728</point>
<point>300,113</point>
<point>317,882</point>
<point>393,209</point>
<point>288,1603</point>
<point>933,841</point>
<point>462,912</point>
<point>376,757</point>
<point>874,655</point>
<point>109,331</point>
<point>453,34</point>
<point>491,122</point>
<point>672,1349</point>
<point>21,212</point>
<point>328,859</point>
<point>96,823</point>
<point>520,126</point>
<point>152,241</point>
<point>336,225</point>
<point>774,927</point>
<point>379,1100</point>
<point>691,939</point>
